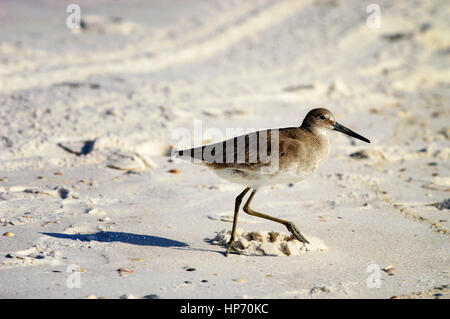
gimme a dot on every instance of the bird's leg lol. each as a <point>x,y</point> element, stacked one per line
<point>237,204</point>
<point>289,225</point>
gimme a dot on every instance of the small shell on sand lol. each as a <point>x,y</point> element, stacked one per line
<point>174,171</point>
<point>8,234</point>
<point>269,243</point>
<point>239,280</point>
<point>389,269</point>
<point>124,271</point>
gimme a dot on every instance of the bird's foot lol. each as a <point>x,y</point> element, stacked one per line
<point>294,231</point>
<point>231,247</point>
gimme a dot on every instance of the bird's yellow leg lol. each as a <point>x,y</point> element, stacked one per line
<point>289,225</point>
<point>237,204</point>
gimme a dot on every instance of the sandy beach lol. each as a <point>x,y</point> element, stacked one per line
<point>93,205</point>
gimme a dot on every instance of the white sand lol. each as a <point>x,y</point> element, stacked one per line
<point>87,120</point>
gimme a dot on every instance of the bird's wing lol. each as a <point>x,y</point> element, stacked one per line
<point>245,151</point>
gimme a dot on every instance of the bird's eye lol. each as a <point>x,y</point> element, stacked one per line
<point>322,117</point>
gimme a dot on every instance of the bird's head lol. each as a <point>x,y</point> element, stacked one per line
<point>321,121</point>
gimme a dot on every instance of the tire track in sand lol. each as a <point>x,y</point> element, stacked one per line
<point>205,49</point>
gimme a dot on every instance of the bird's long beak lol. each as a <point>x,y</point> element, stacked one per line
<point>343,129</point>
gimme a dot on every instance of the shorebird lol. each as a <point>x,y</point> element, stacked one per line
<point>268,157</point>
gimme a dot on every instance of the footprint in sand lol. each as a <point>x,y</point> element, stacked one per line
<point>269,243</point>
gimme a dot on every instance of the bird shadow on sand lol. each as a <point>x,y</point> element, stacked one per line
<point>128,238</point>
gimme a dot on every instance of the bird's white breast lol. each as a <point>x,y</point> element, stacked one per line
<point>256,179</point>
